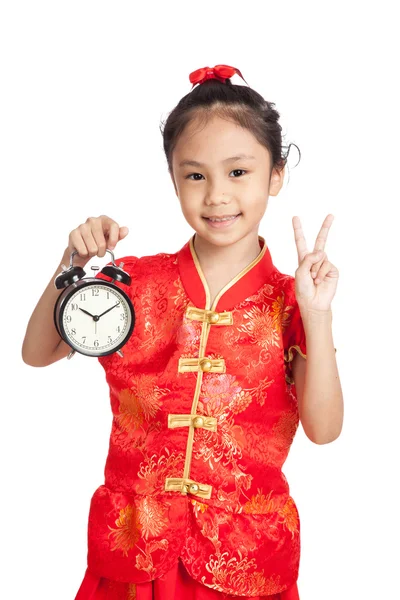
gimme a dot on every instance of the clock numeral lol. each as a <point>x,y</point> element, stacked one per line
<point>122,316</point>
<point>118,328</point>
<point>74,307</point>
<point>68,318</point>
<point>83,296</point>
<point>96,343</point>
<point>95,292</point>
<point>83,339</point>
<point>109,339</point>
<point>73,331</point>
<point>108,295</point>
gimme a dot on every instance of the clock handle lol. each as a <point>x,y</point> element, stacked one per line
<point>75,273</point>
<point>69,275</point>
<point>76,252</point>
<point>116,273</point>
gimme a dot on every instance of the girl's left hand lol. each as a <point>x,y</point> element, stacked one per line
<point>314,292</point>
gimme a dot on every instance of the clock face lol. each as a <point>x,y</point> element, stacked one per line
<point>96,319</point>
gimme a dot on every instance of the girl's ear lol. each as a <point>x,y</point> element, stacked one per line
<point>276,182</point>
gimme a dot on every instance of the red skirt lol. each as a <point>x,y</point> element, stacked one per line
<point>174,585</point>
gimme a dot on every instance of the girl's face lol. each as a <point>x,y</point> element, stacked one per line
<point>210,181</point>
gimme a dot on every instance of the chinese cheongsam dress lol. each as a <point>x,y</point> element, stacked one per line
<point>194,503</point>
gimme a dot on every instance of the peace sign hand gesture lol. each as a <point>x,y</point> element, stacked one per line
<point>316,278</point>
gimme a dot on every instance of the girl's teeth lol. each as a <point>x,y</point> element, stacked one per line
<point>226,219</point>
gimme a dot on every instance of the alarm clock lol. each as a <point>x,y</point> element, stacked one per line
<point>93,316</point>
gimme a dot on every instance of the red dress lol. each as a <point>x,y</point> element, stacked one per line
<point>175,585</point>
<point>194,502</point>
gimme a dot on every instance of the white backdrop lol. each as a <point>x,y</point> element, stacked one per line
<point>84,87</point>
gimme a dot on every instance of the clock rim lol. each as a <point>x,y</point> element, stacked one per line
<point>62,302</point>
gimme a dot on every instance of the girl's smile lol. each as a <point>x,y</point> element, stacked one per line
<point>222,224</point>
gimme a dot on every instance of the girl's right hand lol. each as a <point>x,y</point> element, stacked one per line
<point>93,238</point>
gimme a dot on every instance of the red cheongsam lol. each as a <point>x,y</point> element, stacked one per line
<point>194,502</point>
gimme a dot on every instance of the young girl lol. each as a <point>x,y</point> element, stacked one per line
<point>212,384</point>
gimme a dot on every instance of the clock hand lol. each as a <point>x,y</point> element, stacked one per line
<point>85,311</point>
<point>108,309</point>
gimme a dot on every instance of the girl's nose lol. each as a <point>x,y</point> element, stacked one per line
<point>216,196</point>
<point>217,200</point>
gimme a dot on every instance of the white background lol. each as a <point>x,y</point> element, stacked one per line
<point>84,87</point>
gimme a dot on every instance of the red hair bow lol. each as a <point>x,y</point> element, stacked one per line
<point>220,72</point>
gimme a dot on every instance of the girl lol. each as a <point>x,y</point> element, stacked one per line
<point>227,355</point>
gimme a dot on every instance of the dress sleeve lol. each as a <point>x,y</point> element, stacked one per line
<point>293,334</point>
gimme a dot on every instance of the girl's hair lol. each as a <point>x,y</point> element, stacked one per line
<point>237,103</point>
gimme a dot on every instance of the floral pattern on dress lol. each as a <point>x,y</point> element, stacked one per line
<point>245,538</point>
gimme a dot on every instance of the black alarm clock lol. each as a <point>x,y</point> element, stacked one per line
<point>93,316</point>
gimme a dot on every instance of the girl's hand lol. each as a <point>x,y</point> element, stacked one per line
<point>93,238</point>
<point>314,292</point>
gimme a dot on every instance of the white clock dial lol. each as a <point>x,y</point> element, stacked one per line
<point>96,318</point>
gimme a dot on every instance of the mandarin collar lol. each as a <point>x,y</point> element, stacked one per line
<point>245,284</point>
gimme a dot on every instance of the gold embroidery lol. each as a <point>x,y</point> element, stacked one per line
<point>153,470</point>
<point>203,421</point>
<point>259,393</point>
<point>185,486</point>
<point>198,506</point>
<point>128,529</point>
<point>261,504</point>
<point>131,413</point>
<point>233,281</point>
<point>132,591</point>
<point>284,431</point>
<point>289,379</point>
<point>261,327</point>
<point>288,356</point>
<point>198,422</point>
<point>213,366</point>
<point>187,365</point>
<point>140,402</point>
<point>290,518</point>
<point>145,561</point>
<point>223,527</point>
<point>291,355</point>
<point>209,316</point>
<point>231,573</point>
<point>152,516</point>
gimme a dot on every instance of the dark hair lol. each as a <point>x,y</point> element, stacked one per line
<point>237,103</point>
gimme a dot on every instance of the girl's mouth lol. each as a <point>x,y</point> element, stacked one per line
<point>222,224</point>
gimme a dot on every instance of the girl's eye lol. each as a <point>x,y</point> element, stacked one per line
<point>234,170</point>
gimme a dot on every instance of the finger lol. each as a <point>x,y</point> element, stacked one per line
<point>123,232</point>
<point>120,233</point>
<point>300,240</point>
<point>110,229</point>
<point>113,235</point>
<point>98,236</point>
<point>113,232</point>
<point>77,243</point>
<point>323,233</point>
<point>325,268</point>
<point>315,268</point>
<point>87,236</point>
